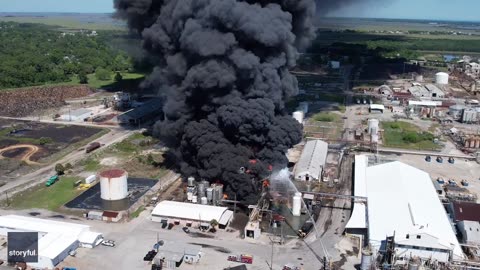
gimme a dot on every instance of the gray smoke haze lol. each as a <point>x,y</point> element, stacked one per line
<point>223,66</point>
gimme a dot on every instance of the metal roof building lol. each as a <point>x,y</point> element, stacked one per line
<point>191,212</point>
<point>148,110</point>
<point>312,161</point>
<point>403,202</point>
<point>56,239</point>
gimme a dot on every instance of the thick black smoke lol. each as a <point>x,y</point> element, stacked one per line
<point>224,68</point>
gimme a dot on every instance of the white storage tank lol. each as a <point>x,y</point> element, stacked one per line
<point>209,194</point>
<point>189,196</point>
<point>297,204</point>
<point>373,126</point>
<point>204,200</point>
<point>194,199</point>
<point>113,184</point>
<point>299,116</point>
<point>191,181</point>
<point>441,78</point>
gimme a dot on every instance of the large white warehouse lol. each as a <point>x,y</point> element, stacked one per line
<point>402,202</point>
<point>312,161</point>
<point>56,239</point>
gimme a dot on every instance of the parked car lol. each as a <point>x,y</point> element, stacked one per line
<point>185,229</point>
<point>170,226</point>
<point>164,225</point>
<point>439,159</point>
<point>428,158</point>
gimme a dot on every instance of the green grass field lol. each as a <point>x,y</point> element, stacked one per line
<point>96,83</point>
<point>326,117</point>
<point>51,198</point>
<point>407,136</point>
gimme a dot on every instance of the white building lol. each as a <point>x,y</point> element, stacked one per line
<point>56,239</point>
<point>470,231</point>
<point>312,161</point>
<point>402,202</point>
<point>76,115</point>
<point>171,255</point>
<point>169,211</point>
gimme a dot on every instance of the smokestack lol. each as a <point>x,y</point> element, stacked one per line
<point>223,67</point>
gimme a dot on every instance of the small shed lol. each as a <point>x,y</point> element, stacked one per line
<point>111,216</point>
<point>95,215</point>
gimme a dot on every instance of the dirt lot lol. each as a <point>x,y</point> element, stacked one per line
<point>24,143</point>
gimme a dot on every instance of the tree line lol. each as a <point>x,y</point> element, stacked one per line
<point>35,54</point>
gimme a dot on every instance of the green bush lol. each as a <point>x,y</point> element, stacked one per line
<point>45,140</point>
<point>103,74</point>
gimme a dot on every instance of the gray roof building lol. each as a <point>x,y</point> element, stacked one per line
<point>312,161</point>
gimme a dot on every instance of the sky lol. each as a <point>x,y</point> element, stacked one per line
<point>409,9</point>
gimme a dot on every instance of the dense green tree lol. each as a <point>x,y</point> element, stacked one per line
<point>118,77</point>
<point>82,77</point>
<point>103,74</point>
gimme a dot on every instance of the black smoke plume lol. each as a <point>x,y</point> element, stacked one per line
<point>223,66</point>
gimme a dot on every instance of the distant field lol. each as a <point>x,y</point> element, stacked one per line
<point>97,84</point>
<point>64,22</point>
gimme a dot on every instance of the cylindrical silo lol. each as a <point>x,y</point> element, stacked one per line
<point>204,200</point>
<point>194,199</point>
<point>373,126</point>
<point>297,204</point>
<point>191,181</point>
<point>200,189</point>
<point>366,260</point>
<point>441,78</point>
<point>113,184</point>
<point>210,194</point>
<point>189,196</point>
<point>217,193</point>
<point>299,115</point>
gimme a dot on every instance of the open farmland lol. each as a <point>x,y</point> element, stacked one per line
<point>24,143</point>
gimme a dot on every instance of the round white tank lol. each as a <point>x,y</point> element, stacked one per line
<point>204,200</point>
<point>299,115</point>
<point>189,196</point>
<point>441,78</point>
<point>194,199</point>
<point>191,181</point>
<point>297,204</point>
<point>373,126</point>
<point>210,194</point>
<point>113,184</point>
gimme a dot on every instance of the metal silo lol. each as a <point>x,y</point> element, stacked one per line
<point>299,116</point>
<point>210,194</point>
<point>113,184</point>
<point>441,78</point>
<point>200,189</point>
<point>191,181</point>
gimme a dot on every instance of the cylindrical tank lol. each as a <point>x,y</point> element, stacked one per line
<point>218,193</point>
<point>194,199</point>
<point>413,266</point>
<point>297,204</point>
<point>200,189</point>
<point>210,194</point>
<point>419,78</point>
<point>441,78</point>
<point>373,126</point>
<point>113,184</point>
<point>366,260</point>
<point>477,143</point>
<point>204,200</point>
<point>299,115</point>
<point>191,181</point>
<point>189,196</point>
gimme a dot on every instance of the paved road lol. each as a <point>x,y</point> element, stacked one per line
<point>15,185</point>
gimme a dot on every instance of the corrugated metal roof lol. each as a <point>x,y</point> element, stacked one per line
<point>189,211</point>
<point>149,107</point>
<point>466,211</point>
<point>313,159</point>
